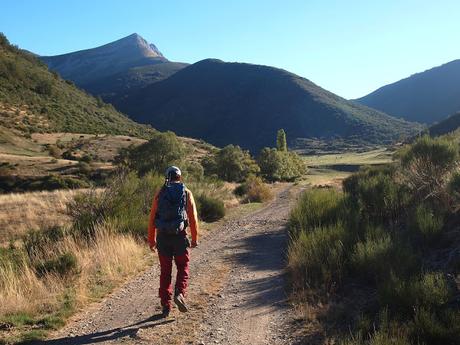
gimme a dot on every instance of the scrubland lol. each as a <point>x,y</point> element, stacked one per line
<point>378,262</point>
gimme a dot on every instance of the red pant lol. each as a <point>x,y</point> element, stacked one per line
<point>165,291</point>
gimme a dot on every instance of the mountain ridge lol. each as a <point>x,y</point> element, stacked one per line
<point>251,102</point>
<point>114,68</point>
<point>424,97</point>
<point>87,65</point>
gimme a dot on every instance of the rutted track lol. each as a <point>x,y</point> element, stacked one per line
<point>236,295</point>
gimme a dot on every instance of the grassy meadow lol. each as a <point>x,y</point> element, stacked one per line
<point>332,168</point>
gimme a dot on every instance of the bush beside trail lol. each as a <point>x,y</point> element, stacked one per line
<point>254,190</point>
<point>383,251</point>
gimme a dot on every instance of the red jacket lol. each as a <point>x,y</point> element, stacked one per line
<point>191,215</point>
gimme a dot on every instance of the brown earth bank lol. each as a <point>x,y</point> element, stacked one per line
<point>237,292</point>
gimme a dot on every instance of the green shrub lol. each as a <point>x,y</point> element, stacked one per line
<point>3,40</point>
<point>430,327</point>
<point>54,182</point>
<point>210,209</point>
<point>429,290</point>
<point>192,171</point>
<point>125,202</point>
<point>384,332</point>
<point>381,256</point>
<point>44,87</point>
<point>254,190</point>
<point>64,264</point>
<point>84,168</point>
<point>86,159</point>
<point>427,166</point>
<point>454,189</point>
<point>315,208</point>
<point>375,192</point>
<point>316,258</point>
<point>55,151</point>
<point>426,224</point>
<point>240,190</point>
<point>370,258</point>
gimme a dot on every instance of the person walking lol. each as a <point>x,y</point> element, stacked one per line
<point>173,211</point>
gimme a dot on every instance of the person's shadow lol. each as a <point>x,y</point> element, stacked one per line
<point>112,334</point>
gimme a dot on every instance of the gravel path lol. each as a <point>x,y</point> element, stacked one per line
<point>237,292</point>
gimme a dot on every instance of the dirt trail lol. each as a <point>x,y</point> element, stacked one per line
<point>236,295</point>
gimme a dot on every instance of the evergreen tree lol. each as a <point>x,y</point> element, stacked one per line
<point>281,144</point>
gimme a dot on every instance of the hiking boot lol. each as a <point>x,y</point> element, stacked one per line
<point>165,312</point>
<point>180,302</point>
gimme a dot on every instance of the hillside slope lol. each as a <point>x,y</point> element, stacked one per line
<point>115,68</point>
<point>32,99</point>
<point>246,104</point>
<point>448,125</point>
<point>424,97</point>
<point>119,85</point>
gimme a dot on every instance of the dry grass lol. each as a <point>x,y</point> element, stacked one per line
<point>102,147</point>
<point>110,258</point>
<point>27,166</point>
<point>21,212</point>
<point>21,291</point>
<point>102,264</point>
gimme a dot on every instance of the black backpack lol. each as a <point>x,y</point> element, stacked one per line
<point>171,215</point>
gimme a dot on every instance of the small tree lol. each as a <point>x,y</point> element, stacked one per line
<point>163,150</point>
<point>281,144</point>
<point>231,164</point>
<point>3,40</point>
<point>44,87</point>
<point>280,165</point>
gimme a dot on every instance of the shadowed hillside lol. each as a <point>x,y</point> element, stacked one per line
<point>448,125</point>
<point>423,97</point>
<point>241,103</point>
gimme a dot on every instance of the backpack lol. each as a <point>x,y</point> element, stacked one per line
<point>171,215</point>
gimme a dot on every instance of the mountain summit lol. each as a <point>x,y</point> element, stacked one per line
<point>135,44</point>
<point>86,66</point>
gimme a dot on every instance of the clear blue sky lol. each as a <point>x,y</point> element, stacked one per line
<point>348,47</point>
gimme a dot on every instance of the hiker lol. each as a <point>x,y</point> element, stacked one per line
<point>173,210</point>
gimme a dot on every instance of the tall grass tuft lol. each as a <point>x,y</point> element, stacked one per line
<point>370,258</point>
<point>316,208</point>
<point>426,224</point>
<point>316,257</point>
<point>428,290</point>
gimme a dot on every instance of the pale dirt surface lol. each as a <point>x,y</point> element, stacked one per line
<point>237,292</point>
